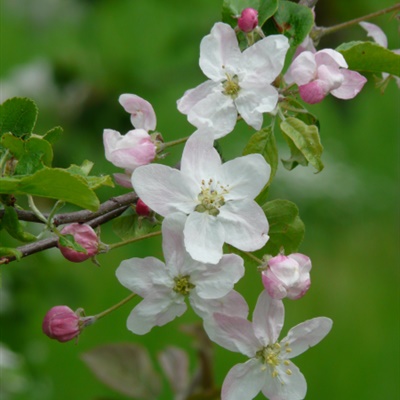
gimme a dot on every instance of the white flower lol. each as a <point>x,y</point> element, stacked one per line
<point>164,287</point>
<point>268,369</point>
<point>239,82</point>
<point>218,198</point>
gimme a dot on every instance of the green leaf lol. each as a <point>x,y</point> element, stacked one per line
<point>126,368</point>
<point>233,8</point>
<point>304,143</point>
<point>131,226</point>
<point>18,116</point>
<point>286,229</point>
<point>293,20</point>
<point>371,57</point>
<point>54,183</point>
<point>53,134</point>
<point>69,241</point>
<point>10,252</point>
<point>15,145</point>
<point>93,182</point>
<point>13,226</point>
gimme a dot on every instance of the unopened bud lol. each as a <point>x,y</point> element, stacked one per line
<point>248,20</point>
<point>85,236</point>
<point>287,276</point>
<point>63,324</point>
<point>142,209</point>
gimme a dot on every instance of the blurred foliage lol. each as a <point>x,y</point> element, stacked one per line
<point>74,58</point>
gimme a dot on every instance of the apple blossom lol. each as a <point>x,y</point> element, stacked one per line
<point>318,74</point>
<point>63,324</point>
<point>268,369</point>
<point>287,276</point>
<point>85,236</point>
<point>239,82</point>
<point>142,112</point>
<point>164,287</point>
<point>218,198</point>
<point>248,20</point>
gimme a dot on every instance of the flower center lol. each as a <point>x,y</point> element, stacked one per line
<point>183,285</point>
<point>211,197</point>
<point>270,356</point>
<point>231,86</point>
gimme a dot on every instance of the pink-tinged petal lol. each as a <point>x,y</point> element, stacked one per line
<point>268,319</point>
<point>273,285</point>
<point>245,224</point>
<point>313,92</point>
<point>219,52</point>
<point>216,112</point>
<point>236,334</point>
<point>245,176</point>
<point>123,180</point>
<point>232,304</point>
<point>192,96</point>
<point>303,261</point>
<point>375,33</point>
<point>217,280</point>
<point>330,58</point>
<point>352,84</point>
<point>142,112</point>
<point>285,386</point>
<point>306,335</point>
<point>285,269</point>
<point>263,61</point>
<point>244,381</point>
<point>303,69</point>
<point>159,308</point>
<point>141,275</point>
<point>331,76</point>
<point>173,243</point>
<point>204,237</point>
<point>200,160</point>
<point>164,189</point>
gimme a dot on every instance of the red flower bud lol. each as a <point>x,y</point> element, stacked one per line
<point>83,235</point>
<point>248,20</point>
<point>142,209</point>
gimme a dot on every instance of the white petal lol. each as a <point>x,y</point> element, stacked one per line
<point>303,69</point>
<point>164,189</point>
<point>193,96</point>
<point>245,176</point>
<point>285,386</point>
<point>375,33</point>
<point>200,160</point>
<point>215,281</point>
<point>263,61</point>
<point>236,334</point>
<point>268,318</point>
<point>204,237</point>
<point>140,275</point>
<point>255,99</point>
<point>331,58</point>
<point>173,244</point>
<point>244,381</point>
<point>219,52</point>
<point>245,224</point>
<point>216,112</point>
<point>306,335</point>
<point>352,84</point>
<point>142,112</point>
<point>232,304</point>
<point>155,310</point>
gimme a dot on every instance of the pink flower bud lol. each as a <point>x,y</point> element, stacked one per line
<point>248,20</point>
<point>142,209</point>
<point>130,151</point>
<point>124,180</point>
<point>62,324</point>
<point>287,276</point>
<point>83,235</point>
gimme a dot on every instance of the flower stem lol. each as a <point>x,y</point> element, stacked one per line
<point>319,32</point>
<point>114,307</point>
<point>253,257</point>
<point>174,142</point>
<point>132,240</point>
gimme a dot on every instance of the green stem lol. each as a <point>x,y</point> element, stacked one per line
<point>111,309</point>
<point>36,211</point>
<point>254,258</point>
<point>319,32</point>
<point>173,143</point>
<point>3,160</point>
<point>132,240</point>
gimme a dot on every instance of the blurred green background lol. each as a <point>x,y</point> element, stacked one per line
<point>74,58</point>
